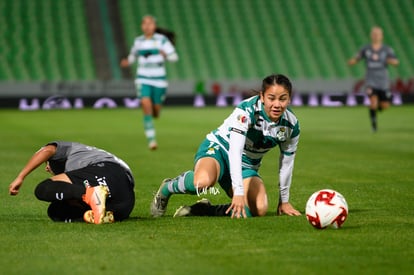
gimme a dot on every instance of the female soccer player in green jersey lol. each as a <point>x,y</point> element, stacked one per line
<point>151,50</point>
<point>231,155</point>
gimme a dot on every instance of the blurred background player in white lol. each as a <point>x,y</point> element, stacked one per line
<point>377,57</point>
<point>150,51</point>
<point>231,155</point>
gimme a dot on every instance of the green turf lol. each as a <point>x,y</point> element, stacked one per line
<point>337,150</point>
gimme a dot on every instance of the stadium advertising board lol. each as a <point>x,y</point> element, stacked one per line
<point>100,94</point>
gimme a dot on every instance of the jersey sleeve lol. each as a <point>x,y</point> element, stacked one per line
<point>236,146</point>
<point>132,57</point>
<point>169,50</point>
<point>62,150</point>
<point>286,163</point>
<point>239,121</point>
<point>391,53</point>
<point>290,146</point>
<point>238,126</point>
<point>361,53</point>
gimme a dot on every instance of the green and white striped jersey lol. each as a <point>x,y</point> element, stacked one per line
<point>151,63</point>
<point>260,135</point>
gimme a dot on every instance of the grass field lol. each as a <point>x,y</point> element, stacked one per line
<point>375,173</point>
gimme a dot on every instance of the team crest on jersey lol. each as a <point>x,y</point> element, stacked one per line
<point>281,134</point>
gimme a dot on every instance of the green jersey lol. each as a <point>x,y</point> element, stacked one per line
<point>259,135</point>
<point>151,63</point>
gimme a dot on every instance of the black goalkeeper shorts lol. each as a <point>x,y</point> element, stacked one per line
<point>120,183</point>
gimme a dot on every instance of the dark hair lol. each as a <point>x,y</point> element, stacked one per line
<point>169,34</point>
<point>278,79</point>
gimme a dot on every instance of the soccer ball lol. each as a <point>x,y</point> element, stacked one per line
<point>326,208</point>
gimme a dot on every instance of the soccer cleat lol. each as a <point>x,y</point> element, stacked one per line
<point>160,202</point>
<point>153,145</point>
<point>183,211</point>
<point>197,209</point>
<point>107,218</point>
<point>95,197</point>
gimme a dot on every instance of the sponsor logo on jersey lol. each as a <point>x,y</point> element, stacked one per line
<point>210,151</point>
<point>237,131</point>
<point>242,119</point>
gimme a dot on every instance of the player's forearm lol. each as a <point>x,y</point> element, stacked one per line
<point>286,164</point>
<point>36,160</point>
<point>173,57</point>
<point>352,61</point>
<point>393,61</point>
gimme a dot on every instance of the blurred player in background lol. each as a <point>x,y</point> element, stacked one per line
<point>151,50</point>
<point>231,155</point>
<point>87,183</point>
<point>377,57</point>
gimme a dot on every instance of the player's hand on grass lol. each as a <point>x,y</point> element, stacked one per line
<point>237,206</point>
<point>15,186</point>
<point>287,208</point>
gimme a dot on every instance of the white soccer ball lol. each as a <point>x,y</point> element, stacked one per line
<point>326,208</point>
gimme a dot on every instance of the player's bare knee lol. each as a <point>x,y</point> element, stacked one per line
<point>261,210</point>
<point>202,182</point>
<point>261,207</point>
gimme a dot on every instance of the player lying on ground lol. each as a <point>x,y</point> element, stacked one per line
<point>151,50</point>
<point>231,155</point>
<point>377,58</point>
<point>87,183</point>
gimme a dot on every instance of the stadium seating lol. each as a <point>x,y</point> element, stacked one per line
<point>239,39</point>
<point>45,39</point>
<point>216,39</point>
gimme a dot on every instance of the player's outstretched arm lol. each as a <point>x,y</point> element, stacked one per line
<point>352,61</point>
<point>237,141</point>
<point>37,159</point>
<point>285,180</point>
<point>393,61</point>
<point>129,60</point>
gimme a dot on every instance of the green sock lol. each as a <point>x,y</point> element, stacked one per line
<point>246,209</point>
<point>248,213</point>
<point>183,184</point>
<point>149,128</point>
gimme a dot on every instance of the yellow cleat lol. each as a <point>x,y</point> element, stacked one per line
<point>95,197</point>
<point>88,217</point>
